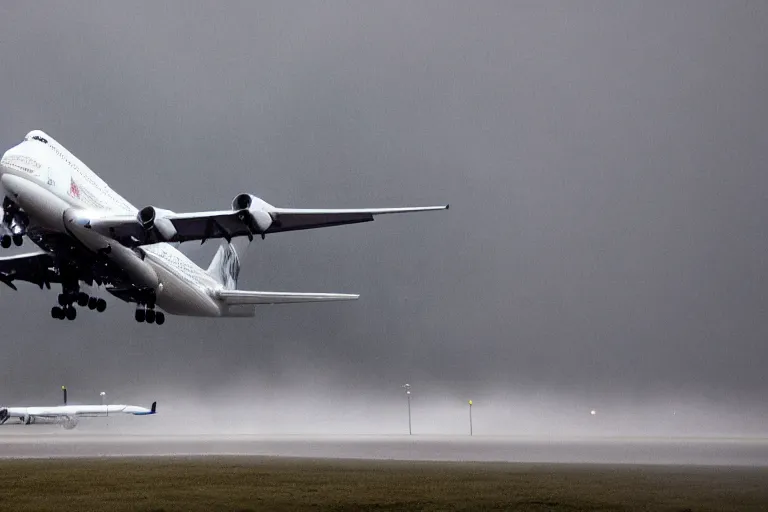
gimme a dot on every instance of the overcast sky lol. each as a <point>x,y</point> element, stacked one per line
<point>605,164</point>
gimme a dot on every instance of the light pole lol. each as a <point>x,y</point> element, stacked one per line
<point>102,395</point>
<point>408,394</point>
<point>470,418</point>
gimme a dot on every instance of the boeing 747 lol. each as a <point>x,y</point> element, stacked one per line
<point>85,232</point>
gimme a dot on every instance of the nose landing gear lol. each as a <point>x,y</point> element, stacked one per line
<point>13,226</point>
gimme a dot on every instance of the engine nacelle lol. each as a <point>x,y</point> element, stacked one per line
<point>153,219</point>
<point>69,422</point>
<point>255,208</point>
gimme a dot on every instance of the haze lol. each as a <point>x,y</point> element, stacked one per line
<point>605,247</point>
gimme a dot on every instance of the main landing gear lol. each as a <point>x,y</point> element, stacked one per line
<point>149,315</point>
<point>67,300</point>
<point>7,240</point>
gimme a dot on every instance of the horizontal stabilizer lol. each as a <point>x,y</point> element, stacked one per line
<point>242,297</point>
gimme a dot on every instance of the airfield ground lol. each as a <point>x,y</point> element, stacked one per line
<point>264,483</point>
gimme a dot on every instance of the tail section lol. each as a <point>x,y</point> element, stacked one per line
<point>225,268</point>
<point>225,265</point>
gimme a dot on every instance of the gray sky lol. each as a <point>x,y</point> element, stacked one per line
<point>605,163</point>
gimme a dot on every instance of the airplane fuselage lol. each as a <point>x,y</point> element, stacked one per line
<point>56,190</point>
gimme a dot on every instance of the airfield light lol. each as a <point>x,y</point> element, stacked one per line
<point>470,418</point>
<point>102,394</point>
<point>593,412</point>
<point>408,394</point>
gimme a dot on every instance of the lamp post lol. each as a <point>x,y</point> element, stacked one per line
<point>470,418</point>
<point>408,394</point>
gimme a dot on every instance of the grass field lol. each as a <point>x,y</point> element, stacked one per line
<point>250,483</point>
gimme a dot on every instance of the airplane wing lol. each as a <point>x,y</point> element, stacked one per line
<point>33,267</point>
<point>168,226</point>
<point>243,297</point>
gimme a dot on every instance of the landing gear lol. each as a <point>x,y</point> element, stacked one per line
<point>14,224</point>
<point>59,313</point>
<point>149,315</point>
<point>68,299</point>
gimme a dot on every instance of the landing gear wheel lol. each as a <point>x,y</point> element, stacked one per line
<point>101,305</point>
<point>92,302</point>
<point>57,313</point>
<point>150,316</point>
<point>5,241</point>
<point>71,313</point>
<point>63,300</point>
<point>82,299</point>
<point>159,318</point>
<point>140,315</point>
<point>18,240</point>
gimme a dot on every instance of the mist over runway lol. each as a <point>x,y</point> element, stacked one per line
<point>35,443</point>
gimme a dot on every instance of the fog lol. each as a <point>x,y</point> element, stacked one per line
<point>605,247</point>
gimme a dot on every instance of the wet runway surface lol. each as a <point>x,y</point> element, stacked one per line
<point>28,442</point>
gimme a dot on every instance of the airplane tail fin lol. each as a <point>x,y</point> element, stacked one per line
<point>154,407</point>
<point>225,265</point>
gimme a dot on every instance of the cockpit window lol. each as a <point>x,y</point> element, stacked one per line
<point>41,139</point>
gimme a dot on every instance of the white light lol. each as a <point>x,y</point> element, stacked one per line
<point>593,412</point>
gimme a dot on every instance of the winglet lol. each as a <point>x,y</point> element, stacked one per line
<point>154,407</point>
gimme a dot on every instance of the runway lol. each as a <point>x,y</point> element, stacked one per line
<point>41,442</point>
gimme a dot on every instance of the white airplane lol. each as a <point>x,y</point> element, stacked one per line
<point>67,415</point>
<point>87,233</point>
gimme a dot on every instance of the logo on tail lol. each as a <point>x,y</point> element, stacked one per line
<point>225,266</point>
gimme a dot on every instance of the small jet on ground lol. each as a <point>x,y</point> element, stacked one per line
<point>87,233</point>
<point>68,415</point>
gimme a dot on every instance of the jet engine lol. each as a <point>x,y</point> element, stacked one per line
<point>69,423</point>
<point>254,211</point>
<point>153,219</point>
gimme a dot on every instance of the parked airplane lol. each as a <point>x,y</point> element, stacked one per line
<point>67,415</point>
<point>87,233</point>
